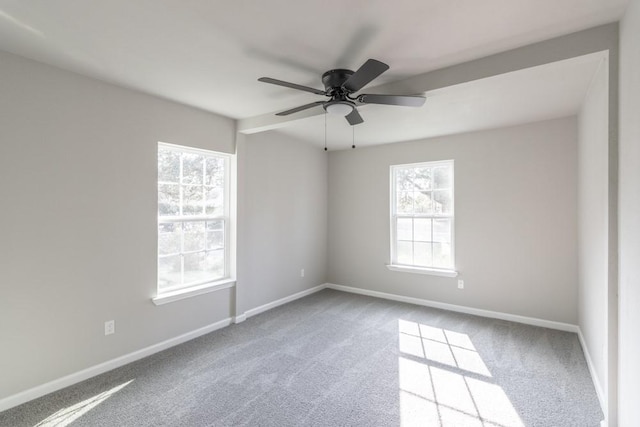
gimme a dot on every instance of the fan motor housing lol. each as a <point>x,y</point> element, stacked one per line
<point>333,79</point>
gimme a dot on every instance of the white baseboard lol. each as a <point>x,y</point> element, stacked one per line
<point>240,318</point>
<point>71,379</point>
<point>60,383</point>
<point>494,315</point>
<point>281,301</point>
<point>594,377</point>
<point>459,308</point>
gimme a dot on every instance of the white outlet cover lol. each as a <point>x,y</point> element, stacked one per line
<point>110,327</point>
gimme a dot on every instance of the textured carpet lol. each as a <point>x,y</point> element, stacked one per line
<point>338,359</point>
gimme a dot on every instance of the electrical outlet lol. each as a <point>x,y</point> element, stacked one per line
<point>302,272</point>
<point>460,284</point>
<point>110,327</point>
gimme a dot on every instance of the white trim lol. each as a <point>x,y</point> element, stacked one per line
<point>76,377</point>
<point>594,377</point>
<point>281,301</point>
<point>460,308</point>
<point>66,381</point>
<point>193,291</point>
<point>60,383</point>
<point>193,150</point>
<point>419,270</point>
<point>240,318</point>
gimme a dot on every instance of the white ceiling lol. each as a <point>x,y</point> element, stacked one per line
<point>209,53</point>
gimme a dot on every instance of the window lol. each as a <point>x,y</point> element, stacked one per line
<point>193,217</point>
<point>422,220</point>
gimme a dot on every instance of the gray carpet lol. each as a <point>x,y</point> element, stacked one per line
<point>338,359</point>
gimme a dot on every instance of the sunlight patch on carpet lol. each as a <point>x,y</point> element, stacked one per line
<point>67,415</point>
<point>444,382</point>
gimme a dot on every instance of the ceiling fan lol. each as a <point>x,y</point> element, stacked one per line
<point>340,86</point>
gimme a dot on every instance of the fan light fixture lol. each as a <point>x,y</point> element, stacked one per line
<point>339,108</point>
<point>341,85</point>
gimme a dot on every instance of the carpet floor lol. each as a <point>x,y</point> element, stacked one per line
<point>339,359</point>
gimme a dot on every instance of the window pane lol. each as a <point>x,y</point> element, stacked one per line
<point>405,253</point>
<point>422,229</point>
<point>215,234</point>
<point>422,254</point>
<point>194,236</point>
<point>192,200</point>
<point>442,177</point>
<point>194,268</point>
<point>214,264</point>
<point>214,204</point>
<point>216,224</point>
<point>442,230</point>
<point>404,203</point>
<point>168,199</point>
<point>423,214</point>
<point>191,183</point>
<point>169,238</point>
<point>215,239</point>
<point>168,165</point>
<point>169,271</point>
<point>214,171</point>
<point>403,180</point>
<point>442,255</point>
<point>404,231</point>
<point>422,202</point>
<point>421,178</point>
<point>192,168</point>
<point>442,202</point>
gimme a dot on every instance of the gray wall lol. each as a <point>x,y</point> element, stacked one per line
<point>629,288</point>
<point>593,214</point>
<point>78,247</point>
<point>282,216</point>
<point>516,229</point>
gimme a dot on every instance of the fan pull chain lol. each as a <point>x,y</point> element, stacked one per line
<point>353,137</point>
<point>325,131</point>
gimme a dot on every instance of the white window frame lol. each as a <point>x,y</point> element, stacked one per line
<point>189,289</point>
<point>393,265</point>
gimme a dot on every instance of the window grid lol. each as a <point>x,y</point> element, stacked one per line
<point>211,241</point>
<point>437,208</point>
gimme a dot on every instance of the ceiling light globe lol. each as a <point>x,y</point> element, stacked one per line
<point>339,108</point>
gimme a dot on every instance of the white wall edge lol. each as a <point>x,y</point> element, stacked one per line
<point>281,301</point>
<point>567,327</point>
<point>594,378</point>
<point>68,380</point>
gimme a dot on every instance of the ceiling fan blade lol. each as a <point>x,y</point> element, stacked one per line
<point>365,74</point>
<point>300,108</point>
<point>291,85</point>
<point>404,100</point>
<point>354,118</point>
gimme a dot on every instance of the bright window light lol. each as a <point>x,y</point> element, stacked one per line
<point>422,219</point>
<point>193,217</point>
<point>443,381</point>
<point>66,416</point>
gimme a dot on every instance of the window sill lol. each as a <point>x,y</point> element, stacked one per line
<point>193,291</point>
<point>420,270</point>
